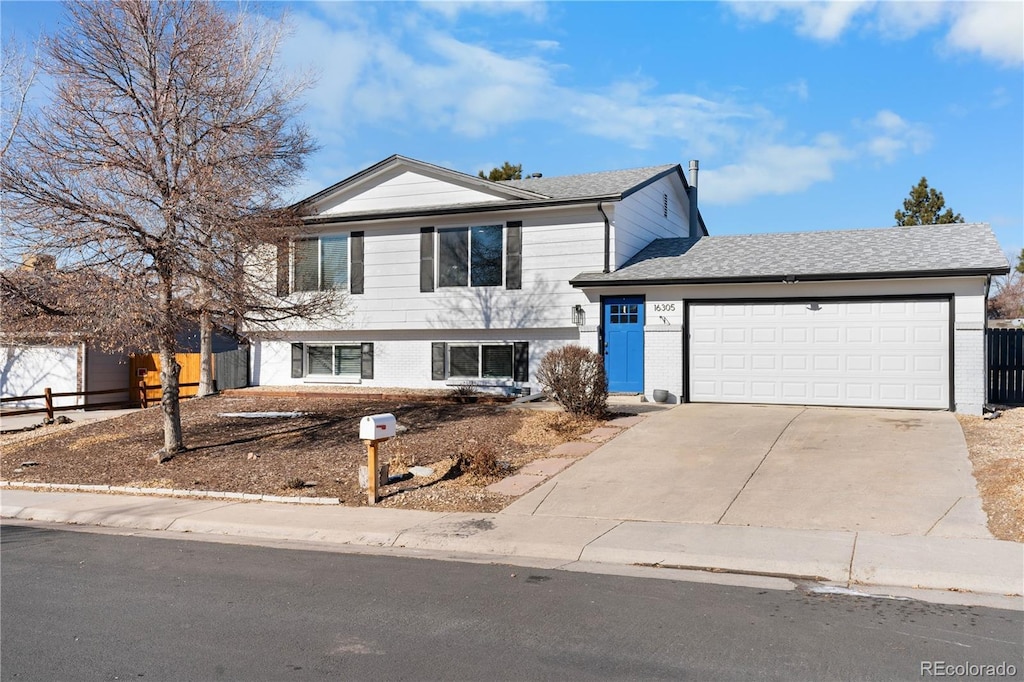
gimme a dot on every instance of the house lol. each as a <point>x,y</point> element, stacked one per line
<point>457,280</point>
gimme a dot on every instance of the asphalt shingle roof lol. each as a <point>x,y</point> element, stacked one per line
<point>603,183</point>
<point>945,249</point>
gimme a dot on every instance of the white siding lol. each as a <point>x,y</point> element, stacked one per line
<point>27,370</point>
<point>403,190</point>
<point>557,245</point>
<point>640,218</point>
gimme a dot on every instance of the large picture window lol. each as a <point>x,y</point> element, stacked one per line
<point>470,256</point>
<point>321,263</point>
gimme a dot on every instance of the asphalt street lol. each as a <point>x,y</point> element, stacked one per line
<point>88,606</point>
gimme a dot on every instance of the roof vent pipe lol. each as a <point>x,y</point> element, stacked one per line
<point>694,220</point>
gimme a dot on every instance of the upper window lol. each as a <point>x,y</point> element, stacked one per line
<point>321,263</point>
<point>470,256</point>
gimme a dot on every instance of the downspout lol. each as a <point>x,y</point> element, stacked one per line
<point>694,219</point>
<point>607,238</point>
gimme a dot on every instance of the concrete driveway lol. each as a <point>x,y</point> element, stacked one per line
<point>898,472</point>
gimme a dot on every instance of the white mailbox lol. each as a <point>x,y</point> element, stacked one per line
<point>377,427</point>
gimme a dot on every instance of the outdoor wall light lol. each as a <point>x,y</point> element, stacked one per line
<point>579,317</point>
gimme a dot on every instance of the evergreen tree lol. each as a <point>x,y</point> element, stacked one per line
<point>925,206</point>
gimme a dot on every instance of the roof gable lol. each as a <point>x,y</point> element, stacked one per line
<point>400,183</point>
<point>402,187</point>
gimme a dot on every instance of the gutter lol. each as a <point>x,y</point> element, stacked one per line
<point>455,210</point>
<point>583,281</point>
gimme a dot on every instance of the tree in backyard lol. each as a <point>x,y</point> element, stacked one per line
<point>1007,299</point>
<point>925,206</point>
<point>152,175</point>
<point>506,172</point>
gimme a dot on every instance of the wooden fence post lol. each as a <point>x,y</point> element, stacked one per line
<point>143,397</point>
<point>48,396</point>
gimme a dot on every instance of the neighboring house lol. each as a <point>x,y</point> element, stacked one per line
<point>456,280</point>
<point>30,365</point>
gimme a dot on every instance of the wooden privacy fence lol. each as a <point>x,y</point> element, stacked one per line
<point>230,370</point>
<point>1005,366</point>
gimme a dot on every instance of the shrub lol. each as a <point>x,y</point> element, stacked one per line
<point>477,459</point>
<point>573,376</point>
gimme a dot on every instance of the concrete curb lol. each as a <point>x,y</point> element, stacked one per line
<point>987,567</point>
<point>167,492</point>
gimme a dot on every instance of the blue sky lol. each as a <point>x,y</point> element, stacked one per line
<point>803,116</point>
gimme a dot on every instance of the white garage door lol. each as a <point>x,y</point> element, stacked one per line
<point>892,353</point>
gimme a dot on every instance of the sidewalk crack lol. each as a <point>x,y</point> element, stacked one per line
<point>944,515</point>
<point>590,542</point>
<point>853,553</point>
<point>754,472</point>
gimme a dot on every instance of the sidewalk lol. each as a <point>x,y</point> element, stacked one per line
<point>860,560</point>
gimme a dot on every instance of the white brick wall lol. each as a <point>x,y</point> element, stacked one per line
<point>404,359</point>
<point>663,360</point>
<point>969,370</point>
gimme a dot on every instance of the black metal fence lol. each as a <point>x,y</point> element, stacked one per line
<point>231,368</point>
<point>1005,366</point>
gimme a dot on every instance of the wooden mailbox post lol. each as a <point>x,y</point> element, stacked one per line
<point>373,430</point>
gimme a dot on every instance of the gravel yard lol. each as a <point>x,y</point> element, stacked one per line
<point>294,446</point>
<point>996,448</point>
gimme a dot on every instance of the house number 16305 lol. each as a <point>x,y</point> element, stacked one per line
<point>664,307</point>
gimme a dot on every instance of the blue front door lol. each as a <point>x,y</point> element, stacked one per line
<point>624,343</point>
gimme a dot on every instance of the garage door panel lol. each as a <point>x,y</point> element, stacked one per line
<point>863,353</point>
<point>734,335</point>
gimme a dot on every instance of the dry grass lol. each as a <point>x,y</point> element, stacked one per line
<point>996,449</point>
<point>552,428</point>
<point>467,445</point>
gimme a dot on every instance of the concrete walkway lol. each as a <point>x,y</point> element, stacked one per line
<point>14,422</point>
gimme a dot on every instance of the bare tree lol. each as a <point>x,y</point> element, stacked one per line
<point>152,177</point>
<point>17,75</point>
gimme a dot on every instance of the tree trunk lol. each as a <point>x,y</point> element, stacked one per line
<point>205,355</point>
<point>170,371</point>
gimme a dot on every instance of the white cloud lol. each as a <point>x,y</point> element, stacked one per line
<point>452,9</point>
<point>824,21</point>
<point>774,169</point>
<point>903,20</point>
<point>992,29</point>
<point>891,136</point>
<point>995,30</point>
<point>415,78</point>
<point>800,89</point>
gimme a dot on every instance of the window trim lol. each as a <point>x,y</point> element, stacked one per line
<point>468,230</point>
<point>319,239</point>
<point>334,360</point>
<point>479,346</point>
